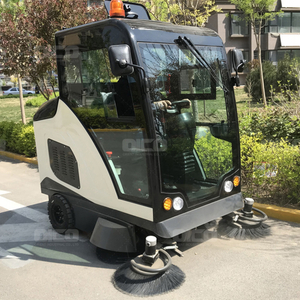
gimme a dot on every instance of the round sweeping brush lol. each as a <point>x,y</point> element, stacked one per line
<point>149,274</point>
<point>245,224</point>
<point>242,230</point>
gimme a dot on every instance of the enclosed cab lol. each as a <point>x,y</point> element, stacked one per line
<point>144,135</point>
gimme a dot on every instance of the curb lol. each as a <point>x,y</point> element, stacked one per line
<point>280,213</point>
<point>19,157</point>
<point>273,211</point>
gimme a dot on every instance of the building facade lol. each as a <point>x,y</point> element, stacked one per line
<point>279,36</point>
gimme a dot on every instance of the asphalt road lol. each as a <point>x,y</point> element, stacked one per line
<point>36,263</point>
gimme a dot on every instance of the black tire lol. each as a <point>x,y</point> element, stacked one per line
<point>60,213</point>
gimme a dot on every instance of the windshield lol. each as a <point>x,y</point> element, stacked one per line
<point>196,136</point>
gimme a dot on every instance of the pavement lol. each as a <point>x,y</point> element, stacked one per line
<point>272,211</point>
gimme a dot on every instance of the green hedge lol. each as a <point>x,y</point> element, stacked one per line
<point>273,123</point>
<point>270,170</point>
<point>95,118</point>
<point>39,100</point>
<point>215,155</point>
<point>19,138</point>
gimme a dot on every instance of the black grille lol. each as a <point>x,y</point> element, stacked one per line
<point>63,163</point>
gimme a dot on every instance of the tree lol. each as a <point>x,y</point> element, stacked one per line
<point>27,35</point>
<point>8,6</point>
<point>257,13</point>
<point>184,12</point>
<point>253,83</point>
<point>11,7</point>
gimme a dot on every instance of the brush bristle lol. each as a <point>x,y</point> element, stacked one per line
<point>242,230</point>
<point>126,280</point>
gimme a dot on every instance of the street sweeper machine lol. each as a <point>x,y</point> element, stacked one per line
<point>143,138</point>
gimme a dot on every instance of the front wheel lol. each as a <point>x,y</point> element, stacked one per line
<point>60,214</point>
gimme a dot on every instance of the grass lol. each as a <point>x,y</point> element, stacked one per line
<point>10,107</point>
<point>10,110</point>
<point>243,102</point>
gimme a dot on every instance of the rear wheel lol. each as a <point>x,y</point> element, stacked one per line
<point>60,214</point>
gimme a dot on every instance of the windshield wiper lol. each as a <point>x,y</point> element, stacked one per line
<point>187,43</point>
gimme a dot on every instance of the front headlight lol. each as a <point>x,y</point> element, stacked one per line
<point>178,203</point>
<point>228,186</point>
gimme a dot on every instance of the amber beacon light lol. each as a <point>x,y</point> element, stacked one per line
<point>116,9</point>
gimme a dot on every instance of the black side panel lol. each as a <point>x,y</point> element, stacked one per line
<point>46,110</point>
<point>63,163</point>
<point>86,212</point>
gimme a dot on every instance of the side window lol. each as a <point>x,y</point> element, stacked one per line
<point>91,84</point>
<point>110,107</point>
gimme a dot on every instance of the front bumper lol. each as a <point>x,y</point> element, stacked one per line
<point>199,216</point>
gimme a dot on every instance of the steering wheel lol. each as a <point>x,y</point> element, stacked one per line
<point>176,106</point>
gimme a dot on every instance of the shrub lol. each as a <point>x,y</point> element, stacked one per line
<point>6,129</point>
<point>37,101</point>
<point>285,78</point>
<point>270,170</point>
<point>287,73</point>
<point>253,85</point>
<point>95,118</point>
<point>215,155</point>
<point>19,138</point>
<point>273,124</point>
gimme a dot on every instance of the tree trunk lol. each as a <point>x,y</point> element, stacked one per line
<point>262,82</point>
<point>21,100</point>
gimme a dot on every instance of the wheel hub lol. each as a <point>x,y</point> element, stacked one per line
<point>58,214</point>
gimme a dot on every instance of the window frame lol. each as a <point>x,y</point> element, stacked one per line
<point>274,27</point>
<point>123,130</point>
<point>243,24</point>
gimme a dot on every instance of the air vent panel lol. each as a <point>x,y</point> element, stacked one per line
<point>63,163</point>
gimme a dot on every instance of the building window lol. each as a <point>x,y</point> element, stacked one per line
<point>282,53</point>
<point>296,54</point>
<point>295,22</point>
<point>272,56</point>
<point>275,55</point>
<point>246,55</point>
<point>238,25</point>
<point>284,23</point>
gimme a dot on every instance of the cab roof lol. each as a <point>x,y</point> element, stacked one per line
<point>151,31</point>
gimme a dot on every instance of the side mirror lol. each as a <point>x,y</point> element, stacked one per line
<point>238,64</point>
<point>120,60</point>
<point>237,59</point>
